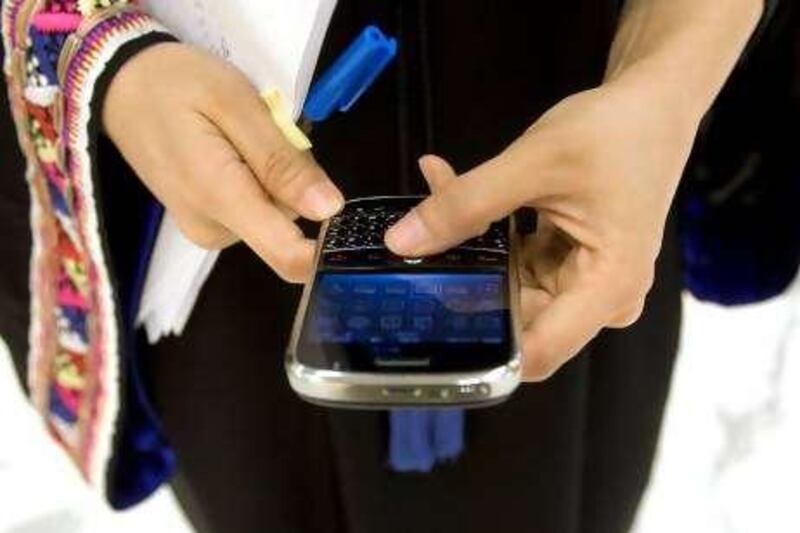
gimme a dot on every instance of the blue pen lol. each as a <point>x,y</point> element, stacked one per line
<point>350,75</point>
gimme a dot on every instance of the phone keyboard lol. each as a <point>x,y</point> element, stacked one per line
<point>361,227</point>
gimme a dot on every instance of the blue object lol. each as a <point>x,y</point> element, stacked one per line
<point>410,447</point>
<point>350,75</point>
<point>420,438</point>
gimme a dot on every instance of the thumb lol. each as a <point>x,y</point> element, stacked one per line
<point>460,209</point>
<point>438,172</point>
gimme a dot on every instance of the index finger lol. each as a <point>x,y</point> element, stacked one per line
<point>250,214</point>
<point>289,174</point>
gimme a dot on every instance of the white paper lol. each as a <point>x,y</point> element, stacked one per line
<point>276,43</point>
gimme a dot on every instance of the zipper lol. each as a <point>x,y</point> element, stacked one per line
<point>402,90</point>
<point>24,16</point>
<point>415,132</point>
<point>69,50</point>
<point>74,40</point>
<point>426,80</point>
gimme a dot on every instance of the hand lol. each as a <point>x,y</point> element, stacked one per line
<point>601,168</point>
<point>199,136</point>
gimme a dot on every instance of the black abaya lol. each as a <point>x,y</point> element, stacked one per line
<point>569,455</point>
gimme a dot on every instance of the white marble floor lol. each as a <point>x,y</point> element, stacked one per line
<point>728,461</point>
<point>41,492</point>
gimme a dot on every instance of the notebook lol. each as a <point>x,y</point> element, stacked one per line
<point>276,43</point>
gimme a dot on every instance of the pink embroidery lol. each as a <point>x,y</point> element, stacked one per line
<point>74,349</point>
<point>55,176</point>
<point>62,6</point>
<point>57,22</point>
<point>71,398</point>
<point>68,295</point>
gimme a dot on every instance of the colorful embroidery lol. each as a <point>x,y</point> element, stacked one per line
<point>73,359</point>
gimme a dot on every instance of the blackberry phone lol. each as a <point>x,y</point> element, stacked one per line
<point>375,330</point>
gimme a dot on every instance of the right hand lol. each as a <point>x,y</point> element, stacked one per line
<point>201,139</point>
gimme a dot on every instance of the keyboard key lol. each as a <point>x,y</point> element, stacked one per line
<point>491,323</point>
<point>491,288</point>
<point>396,289</point>
<point>359,322</point>
<point>407,337</point>
<point>427,288</point>
<point>456,290</point>
<point>422,323</point>
<point>365,227</point>
<point>393,305</point>
<point>423,307</point>
<point>326,322</point>
<point>458,323</point>
<point>360,306</point>
<point>365,288</point>
<point>334,288</point>
<point>391,322</point>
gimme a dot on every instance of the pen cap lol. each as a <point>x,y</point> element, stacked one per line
<point>351,74</point>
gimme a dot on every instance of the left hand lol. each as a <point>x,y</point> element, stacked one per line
<point>601,168</point>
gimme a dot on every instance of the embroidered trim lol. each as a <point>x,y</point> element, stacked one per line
<point>11,10</point>
<point>73,360</point>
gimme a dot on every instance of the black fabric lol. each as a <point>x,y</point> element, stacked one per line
<point>141,461</point>
<point>15,241</point>
<point>569,455</point>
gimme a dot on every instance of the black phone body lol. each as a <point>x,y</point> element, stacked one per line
<point>395,331</point>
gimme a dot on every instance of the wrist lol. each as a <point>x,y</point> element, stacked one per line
<point>133,80</point>
<point>660,101</point>
<point>680,52</point>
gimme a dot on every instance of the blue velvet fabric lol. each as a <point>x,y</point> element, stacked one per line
<point>740,229</point>
<point>741,252</point>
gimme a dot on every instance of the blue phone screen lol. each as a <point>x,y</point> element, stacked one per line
<point>452,321</point>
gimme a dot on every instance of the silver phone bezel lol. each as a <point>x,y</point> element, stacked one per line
<point>382,390</point>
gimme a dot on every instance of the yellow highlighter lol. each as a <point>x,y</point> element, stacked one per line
<point>283,119</point>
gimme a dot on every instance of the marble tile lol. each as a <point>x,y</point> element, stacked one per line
<point>41,492</point>
<point>728,459</point>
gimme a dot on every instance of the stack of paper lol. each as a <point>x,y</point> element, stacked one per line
<point>276,43</point>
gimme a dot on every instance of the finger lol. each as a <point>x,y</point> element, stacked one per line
<point>207,234</point>
<point>560,329</point>
<point>199,229</point>
<point>459,211</point>
<point>437,172</point>
<point>291,176</point>
<point>287,211</point>
<point>532,302</point>
<point>267,231</point>
<point>543,257</point>
<point>628,316</point>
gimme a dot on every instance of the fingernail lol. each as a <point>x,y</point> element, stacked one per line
<point>323,200</point>
<point>408,235</point>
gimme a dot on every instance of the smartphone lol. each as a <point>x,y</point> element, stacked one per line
<point>375,330</point>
